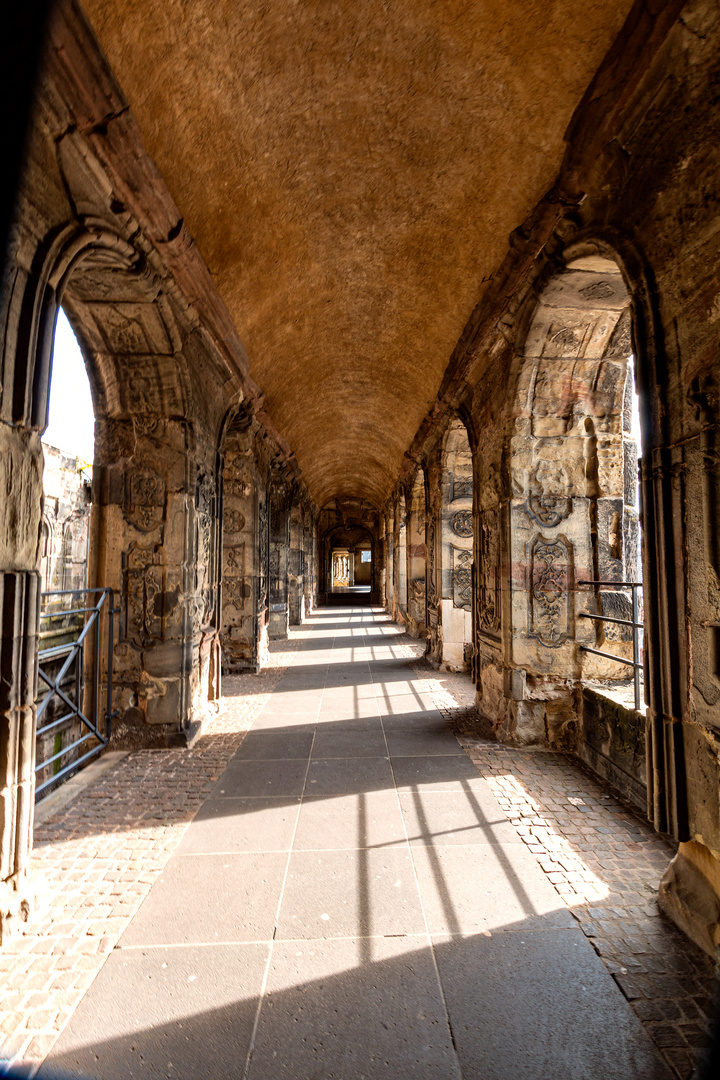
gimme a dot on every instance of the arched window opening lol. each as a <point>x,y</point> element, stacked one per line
<point>68,452</point>
<point>622,564</point>
<point>574,526</point>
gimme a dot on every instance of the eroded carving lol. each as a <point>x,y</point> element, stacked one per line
<point>144,500</point>
<point>548,593</point>
<point>144,595</point>
<point>462,487</point>
<point>462,579</point>
<point>598,290</point>
<point>489,574</point>
<point>548,502</point>
<point>234,521</point>
<point>462,523</point>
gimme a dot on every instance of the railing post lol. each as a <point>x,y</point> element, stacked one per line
<point>111,634</point>
<point>636,644</point>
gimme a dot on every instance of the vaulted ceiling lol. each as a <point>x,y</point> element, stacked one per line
<point>351,173</point>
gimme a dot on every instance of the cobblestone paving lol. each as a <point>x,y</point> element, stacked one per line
<point>605,862</point>
<point>97,858</point>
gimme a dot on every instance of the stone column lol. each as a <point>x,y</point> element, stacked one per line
<point>278,563</point>
<point>417,561</point>
<point>21,482</point>
<point>154,541</point>
<point>296,559</point>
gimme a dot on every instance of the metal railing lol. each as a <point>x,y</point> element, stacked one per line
<point>82,625</point>
<point>637,627</point>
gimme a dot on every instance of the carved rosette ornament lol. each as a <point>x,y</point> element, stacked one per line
<point>234,521</point>
<point>549,596</point>
<point>462,523</point>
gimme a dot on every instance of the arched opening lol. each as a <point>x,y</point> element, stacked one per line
<point>348,545</point>
<point>68,452</point>
<point>417,558</point>
<point>454,650</point>
<point>350,552</point>
<point>574,525</point>
<point>152,539</point>
<point>66,684</point>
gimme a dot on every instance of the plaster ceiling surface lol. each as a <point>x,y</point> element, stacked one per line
<point>351,173</point>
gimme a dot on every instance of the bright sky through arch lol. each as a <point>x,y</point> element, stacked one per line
<point>71,425</point>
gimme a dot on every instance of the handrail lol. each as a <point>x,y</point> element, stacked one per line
<point>637,626</point>
<point>95,726</point>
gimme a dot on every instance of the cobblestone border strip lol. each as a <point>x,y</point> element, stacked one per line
<point>605,862</point>
<point>97,858</point>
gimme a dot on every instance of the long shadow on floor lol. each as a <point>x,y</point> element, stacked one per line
<point>522,1001</point>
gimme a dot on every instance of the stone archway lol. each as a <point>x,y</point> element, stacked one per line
<point>571,468</point>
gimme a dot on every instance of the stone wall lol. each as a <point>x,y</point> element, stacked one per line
<point>611,741</point>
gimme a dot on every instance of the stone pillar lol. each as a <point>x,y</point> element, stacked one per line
<point>154,541</point>
<point>417,562</point>
<point>279,536</point>
<point>296,567</point>
<point>309,563</point>
<point>21,482</point>
<point>389,561</point>
<point>238,620</point>
<point>456,543</point>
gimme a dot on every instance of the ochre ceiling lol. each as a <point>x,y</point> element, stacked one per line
<point>351,171</point>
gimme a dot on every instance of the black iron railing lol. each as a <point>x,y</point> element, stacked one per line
<point>69,704</point>
<point>637,627</point>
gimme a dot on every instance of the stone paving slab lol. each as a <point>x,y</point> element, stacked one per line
<point>166,1012</point>
<point>605,862</point>
<point>546,994</point>
<point>353,1008</point>
<point>97,859</point>
<point>324,995</point>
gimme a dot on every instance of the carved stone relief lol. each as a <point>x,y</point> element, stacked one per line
<point>235,590</point>
<point>462,487</point>
<point>262,552</point>
<point>234,521</point>
<point>132,328</point>
<point>462,523</point>
<point>548,502</point>
<point>144,500</point>
<point>431,591</point>
<point>146,426</point>
<point>462,578</point>
<point>489,574</point>
<point>144,595</point>
<point>549,563</point>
